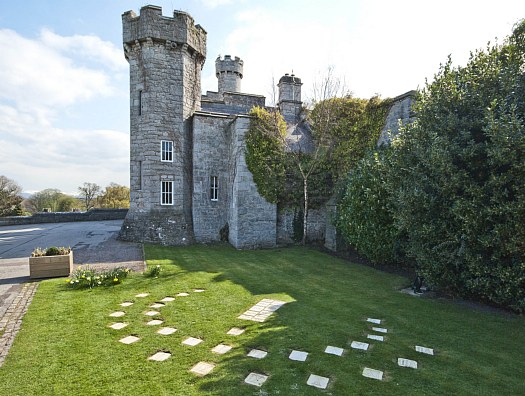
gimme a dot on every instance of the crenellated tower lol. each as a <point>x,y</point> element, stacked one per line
<point>165,55</point>
<point>229,72</point>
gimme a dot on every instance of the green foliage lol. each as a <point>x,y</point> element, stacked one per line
<point>87,277</point>
<point>10,198</point>
<point>365,218</point>
<point>51,251</point>
<point>153,272</point>
<point>46,199</point>
<point>114,196</point>
<point>265,155</point>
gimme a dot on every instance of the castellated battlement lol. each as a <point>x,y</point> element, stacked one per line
<point>152,25</point>
<point>229,71</point>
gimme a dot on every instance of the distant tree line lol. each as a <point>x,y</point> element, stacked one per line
<point>90,195</point>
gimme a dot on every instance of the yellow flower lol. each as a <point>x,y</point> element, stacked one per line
<point>115,280</point>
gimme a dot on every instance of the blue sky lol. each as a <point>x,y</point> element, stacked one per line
<point>64,105</point>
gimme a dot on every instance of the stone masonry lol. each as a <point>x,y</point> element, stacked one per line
<point>188,175</point>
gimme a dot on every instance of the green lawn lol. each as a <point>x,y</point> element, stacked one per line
<point>65,346</point>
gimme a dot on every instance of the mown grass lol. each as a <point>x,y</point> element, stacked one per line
<point>65,346</point>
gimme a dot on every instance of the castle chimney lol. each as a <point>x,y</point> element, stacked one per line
<point>290,96</point>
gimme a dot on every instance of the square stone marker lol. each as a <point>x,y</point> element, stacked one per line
<point>407,363</point>
<point>167,330</point>
<point>428,351</point>
<point>202,368</point>
<point>154,322</point>
<point>126,304</point>
<point>256,379</point>
<point>168,299</point>
<point>374,374</point>
<point>235,331</point>
<point>317,381</point>
<point>257,354</point>
<point>129,339</point>
<point>157,305</point>
<point>221,349</point>
<point>375,337</point>
<point>375,321</point>
<point>198,290</point>
<point>380,329</point>
<point>298,356</point>
<point>183,295</point>
<point>334,351</point>
<point>117,314</point>
<point>262,310</point>
<point>151,313</point>
<point>192,341</point>
<point>160,356</point>
<point>142,295</point>
<point>359,345</point>
<point>118,326</point>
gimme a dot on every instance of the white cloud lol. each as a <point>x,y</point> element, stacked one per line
<point>215,3</point>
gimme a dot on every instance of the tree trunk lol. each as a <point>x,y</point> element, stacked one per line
<point>305,211</point>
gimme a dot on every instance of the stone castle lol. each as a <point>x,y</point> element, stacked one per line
<point>188,176</point>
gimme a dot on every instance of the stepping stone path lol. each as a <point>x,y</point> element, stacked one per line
<point>168,299</point>
<point>298,356</point>
<point>221,349</point>
<point>359,345</point>
<point>167,331</point>
<point>118,326</point>
<point>117,314</point>
<point>192,341</point>
<point>256,379</point>
<point>317,381</point>
<point>235,331</point>
<point>199,290</point>
<point>428,351</point>
<point>257,354</point>
<point>334,351</point>
<point>160,356</point>
<point>129,340</point>
<point>374,374</point>
<point>262,310</point>
<point>202,368</point>
<point>258,313</point>
<point>406,363</point>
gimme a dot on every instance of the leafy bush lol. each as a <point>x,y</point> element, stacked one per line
<point>51,251</point>
<point>153,272</point>
<point>87,277</point>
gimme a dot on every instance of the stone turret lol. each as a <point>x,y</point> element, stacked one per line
<point>165,56</point>
<point>290,103</point>
<point>229,72</point>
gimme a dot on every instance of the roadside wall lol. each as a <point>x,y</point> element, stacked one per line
<point>65,217</point>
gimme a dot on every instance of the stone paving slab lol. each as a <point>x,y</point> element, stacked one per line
<point>256,379</point>
<point>317,381</point>
<point>375,337</point>
<point>117,314</point>
<point>155,322</point>
<point>331,350</point>
<point>168,299</point>
<point>406,363</point>
<point>421,349</point>
<point>192,341</point>
<point>202,368</point>
<point>221,349</point>
<point>372,373</point>
<point>199,290</point>
<point>375,321</point>
<point>298,356</point>
<point>235,331</point>
<point>359,345</point>
<point>118,326</point>
<point>183,295</point>
<point>262,310</point>
<point>11,319</point>
<point>126,304</point>
<point>257,354</point>
<point>157,305</point>
<point>160,356</point>
<point>129,340</point>
<point>167,331</point>
<point>380,329</point>
<point>151,313</point>
<point>142,295</point>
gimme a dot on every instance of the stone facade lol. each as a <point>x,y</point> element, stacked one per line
<point>188,175</point>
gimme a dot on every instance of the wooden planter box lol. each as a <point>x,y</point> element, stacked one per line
<point>51,266</point>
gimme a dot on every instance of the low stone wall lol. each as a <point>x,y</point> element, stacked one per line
<point>65,217</point>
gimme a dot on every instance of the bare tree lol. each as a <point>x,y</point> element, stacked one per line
<point>10,198</point>
<point>89,193</point>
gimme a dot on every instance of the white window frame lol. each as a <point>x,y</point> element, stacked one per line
<point>166,151</point>
<point>166,192</point>
<point>214,188</point>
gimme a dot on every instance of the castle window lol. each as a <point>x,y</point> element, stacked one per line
<point>166,193</point>
<point>140,102</point>
<point>166,151</point>
<point>214,188</point>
